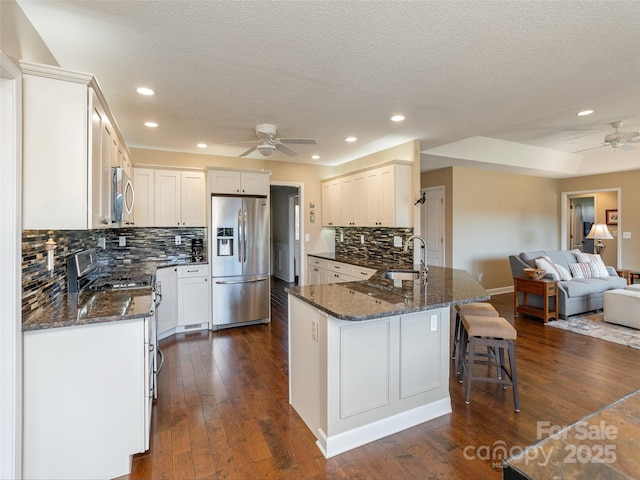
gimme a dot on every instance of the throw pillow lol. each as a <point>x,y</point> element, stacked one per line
<point>546,264</point>
<point>564,273</point>
<point>600,268</point>
<point>581,270</point>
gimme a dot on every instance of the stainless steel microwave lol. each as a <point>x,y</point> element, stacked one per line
<point>123,197</point>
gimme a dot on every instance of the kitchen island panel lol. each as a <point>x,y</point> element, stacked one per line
<point>345,377</point>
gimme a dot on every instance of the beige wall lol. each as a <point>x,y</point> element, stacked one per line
<point>629,184</point>
<point>18,38</point>
<point>491,215</point>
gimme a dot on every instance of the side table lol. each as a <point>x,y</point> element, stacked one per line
<point>544,288</point>
<point>626,274</point>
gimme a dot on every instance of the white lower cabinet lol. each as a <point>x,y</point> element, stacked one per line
<point>186,294</point>
<point>87,399</point>
<point>194,292</point>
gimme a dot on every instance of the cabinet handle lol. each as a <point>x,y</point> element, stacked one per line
<point>151,347</point>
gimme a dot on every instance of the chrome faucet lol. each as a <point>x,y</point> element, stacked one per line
<point>423,254</point>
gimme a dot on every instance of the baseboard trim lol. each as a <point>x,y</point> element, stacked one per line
<point>500,290</point>
<point>342,442</point>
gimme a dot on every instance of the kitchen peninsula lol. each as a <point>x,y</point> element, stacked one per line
<point>371,358</point>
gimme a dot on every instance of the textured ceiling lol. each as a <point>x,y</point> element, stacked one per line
<point>512,71</point>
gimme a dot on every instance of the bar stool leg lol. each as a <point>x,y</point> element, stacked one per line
<point>514,376</point>
<point>462,354</point>
<point>456,336</point>
<point>470,362</point>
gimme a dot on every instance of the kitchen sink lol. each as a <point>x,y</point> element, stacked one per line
<point>401,275</point>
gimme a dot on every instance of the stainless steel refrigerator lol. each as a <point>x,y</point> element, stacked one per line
<point>239,243</point>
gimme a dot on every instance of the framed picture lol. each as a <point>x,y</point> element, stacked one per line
<point>612,217</point>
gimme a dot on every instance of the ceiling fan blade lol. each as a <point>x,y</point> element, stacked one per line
<point>239,143</point>
<point>625,137</point>
<point>244,154</point>
<point>628,146</point>
<point>299,141</point>
<point>286,150</point>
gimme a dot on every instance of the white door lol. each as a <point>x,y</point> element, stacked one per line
<point>433,225</point>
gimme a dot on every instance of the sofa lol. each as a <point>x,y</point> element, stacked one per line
<point>581,286</point>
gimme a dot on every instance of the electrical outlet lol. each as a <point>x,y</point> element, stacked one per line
<point>102,242</point>
<point>397,241</point>
<point>341,237</point>
<point>122,241</point>
<point>626,234</point>
<point>314,329</point>
<point>361,238</point>
<point>434,323</point>
<point>306,237</point>
<point>178,240</point>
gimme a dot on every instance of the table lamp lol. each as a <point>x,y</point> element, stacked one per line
<point>599,231</point>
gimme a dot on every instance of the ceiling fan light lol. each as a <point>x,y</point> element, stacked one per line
<point>266,149</point>
<point>584,113</point>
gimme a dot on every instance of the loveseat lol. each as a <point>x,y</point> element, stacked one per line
<point>581,286</point>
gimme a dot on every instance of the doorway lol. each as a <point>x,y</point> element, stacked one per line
<point>286,232</point>
<point>581,218</point>
<point>603,200</point>
<point>432,222</point>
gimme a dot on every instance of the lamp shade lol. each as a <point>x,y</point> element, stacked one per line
<point>599,231</point>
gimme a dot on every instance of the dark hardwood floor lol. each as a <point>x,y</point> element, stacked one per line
<point>223,412</point>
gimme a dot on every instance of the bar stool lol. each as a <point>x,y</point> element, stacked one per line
<point>474,308</point>
<point>490,332</point>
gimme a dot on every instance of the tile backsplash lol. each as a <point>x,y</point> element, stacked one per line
<point>41,287</point>
<point>378,243</point>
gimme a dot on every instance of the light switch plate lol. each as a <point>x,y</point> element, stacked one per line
<point>397,241</point>
<point>178,240</point>
<point>361,238</point>
<point>434,323</point>
<point>102,242</point>
<point>626,234</point>
<point>122,241</point>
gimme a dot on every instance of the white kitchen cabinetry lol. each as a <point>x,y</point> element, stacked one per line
<point>238,182</point>
<point>179,198</point>
<point>68,132</point>
<point>167,311</point>
<point>87,399</point>
<point>323,271</point>
<point>194,294</point>
<point>376,197</point>
<point>332,203</point>
<point>144,183</point>
<point>186,299</point>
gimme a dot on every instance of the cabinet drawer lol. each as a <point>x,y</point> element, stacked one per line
<point>360,273</point>
<point>318,262</point>
<point>339,267</point>
<point>187,271</point>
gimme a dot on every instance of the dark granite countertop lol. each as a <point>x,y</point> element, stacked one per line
<point>379,297</point>
<point>91,307</point>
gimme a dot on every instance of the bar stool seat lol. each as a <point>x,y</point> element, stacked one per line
<point>474,308</point>
<point>491,332</point>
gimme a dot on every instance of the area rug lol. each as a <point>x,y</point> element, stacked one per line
<point>593,325</point>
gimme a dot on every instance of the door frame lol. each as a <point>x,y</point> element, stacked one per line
<point>566,217</point>
<point>10,274</point>
<point>300,187</point>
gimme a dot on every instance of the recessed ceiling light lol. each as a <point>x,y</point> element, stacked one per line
<point>150,124</point>
<point>315,157</point>
<point>397,118</point>
<point>202,145</point>
<point>584,112</point>
<point>350,139</point>
<point>145,91</point>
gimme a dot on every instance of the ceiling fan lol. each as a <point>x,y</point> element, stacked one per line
<point>617,139</point>
<point>267,142</point>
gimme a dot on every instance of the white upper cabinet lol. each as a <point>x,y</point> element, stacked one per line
<point>68,133</point>
<point>238,182</point>
<point>376,197</point>
<point>144,186</point>
<point>179,198</point>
